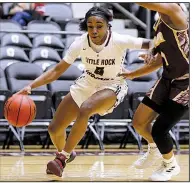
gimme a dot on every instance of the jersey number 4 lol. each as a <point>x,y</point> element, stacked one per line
<point>99,71</point>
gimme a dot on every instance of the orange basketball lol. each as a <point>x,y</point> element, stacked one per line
<point>19,110</point>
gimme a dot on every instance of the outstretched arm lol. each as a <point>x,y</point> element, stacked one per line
<point>47,77</point>
<point>50,75</point>
<point>172,10</point>
<point>155,64</point>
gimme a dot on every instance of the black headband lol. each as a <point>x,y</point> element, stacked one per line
<point>96,13</point>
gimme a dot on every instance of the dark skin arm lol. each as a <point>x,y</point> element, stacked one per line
<point>147,44</point>
<point>155,64</point>
<point>171,13</point>
<point>47,77</point>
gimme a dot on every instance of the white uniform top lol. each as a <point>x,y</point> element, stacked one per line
<point>107,63</point>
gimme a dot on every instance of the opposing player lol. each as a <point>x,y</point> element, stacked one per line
<point>97,90</point>
<point>168,99</point>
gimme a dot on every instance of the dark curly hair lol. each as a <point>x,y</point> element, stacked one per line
<point>96,11</point>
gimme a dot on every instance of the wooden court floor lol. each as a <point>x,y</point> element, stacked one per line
<point>113,165</point>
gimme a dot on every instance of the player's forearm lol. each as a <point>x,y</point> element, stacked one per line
<point>51,75</point>
<point>146,69</point>
<point>45,78</point>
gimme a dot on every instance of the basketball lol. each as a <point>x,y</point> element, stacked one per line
<point>20,110</point>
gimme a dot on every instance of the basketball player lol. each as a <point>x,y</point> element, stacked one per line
<point>168,99</point>
<point>97,90</point>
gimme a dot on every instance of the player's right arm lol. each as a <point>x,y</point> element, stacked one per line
<point>55,72</point>
<point>47,77</point>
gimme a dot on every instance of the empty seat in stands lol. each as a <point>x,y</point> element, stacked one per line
<point>20,75</point>
<point>9,25</point>
<point>16,39</point>
<point>48,41</point>
<point>4,92</point>
<point>71,26</point>
<point>12,54</point>
<point>44,56</point>
<point>43,27</point>
<point>58,11</point>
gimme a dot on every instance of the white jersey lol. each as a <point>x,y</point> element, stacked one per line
<point>106,64</point>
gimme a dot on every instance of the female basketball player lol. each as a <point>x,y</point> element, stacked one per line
<point>98,90</point>
<point>168,99</point>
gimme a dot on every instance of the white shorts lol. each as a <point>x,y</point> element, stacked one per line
<point>85,86</point>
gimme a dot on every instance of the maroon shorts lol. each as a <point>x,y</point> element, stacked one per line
<point>165,89</point>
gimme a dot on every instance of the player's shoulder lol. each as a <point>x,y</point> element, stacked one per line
<point>120,39</point>
<point>79,41</point>
<point>117,37</point>
<point>81,38</point>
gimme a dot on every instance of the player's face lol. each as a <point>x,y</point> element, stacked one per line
<point>97,29</point>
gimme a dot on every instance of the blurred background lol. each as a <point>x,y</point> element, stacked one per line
<point>35,36</point>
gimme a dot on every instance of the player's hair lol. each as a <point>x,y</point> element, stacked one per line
<point>96,11</point>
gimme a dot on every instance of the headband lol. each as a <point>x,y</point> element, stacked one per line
<point>96,13</point>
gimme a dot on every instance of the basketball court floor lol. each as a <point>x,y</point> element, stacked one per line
<point>90,165</point>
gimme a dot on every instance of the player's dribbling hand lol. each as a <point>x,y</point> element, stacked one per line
<point>25,91</point>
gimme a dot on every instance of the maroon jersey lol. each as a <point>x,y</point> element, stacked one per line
<point>173,45</point>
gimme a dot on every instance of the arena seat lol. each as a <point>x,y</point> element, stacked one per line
<point>12,54</point>
<point>20,75</point>
<point>48,41</point>
<point>42,26</point>
<point>74,27</point>
<point>44,56</point>
<point>59,12</point>
<point>5,127</point>
<point>9,25</point>
<point>4,92</point>
<point>16,39</point>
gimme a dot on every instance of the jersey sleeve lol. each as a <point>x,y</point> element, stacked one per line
<point>130,42</point>
<point>73,51</point>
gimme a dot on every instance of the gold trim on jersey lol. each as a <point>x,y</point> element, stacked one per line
<point>186,76</point>
<point>158,39</point>
<point>154,87</point>
<point>155,26</point>
<point>179,46</point>
<point>164,57</point>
